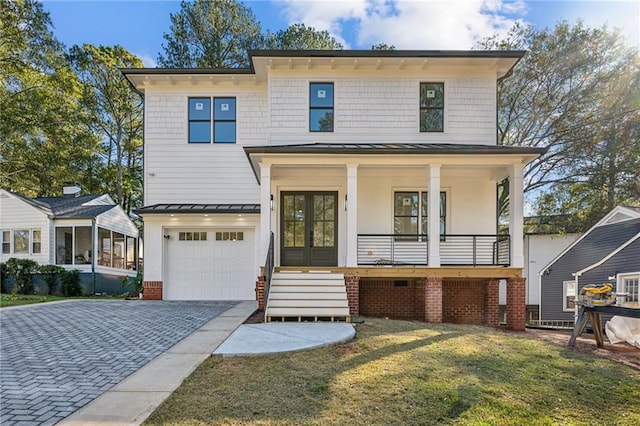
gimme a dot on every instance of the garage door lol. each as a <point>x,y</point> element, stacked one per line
<point>210,264</point>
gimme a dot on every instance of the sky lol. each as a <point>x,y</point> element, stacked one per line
<point>139,25</point>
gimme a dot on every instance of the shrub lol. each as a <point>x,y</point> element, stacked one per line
<point>70,281</point>
<point>3,277</point>
<point>22,269</point>
<point>135,281</point>
<point>50,276</point>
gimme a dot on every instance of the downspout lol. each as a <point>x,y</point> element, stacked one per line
<point>93,254</point>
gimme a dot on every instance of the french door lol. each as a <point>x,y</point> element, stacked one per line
<point>309,228</point>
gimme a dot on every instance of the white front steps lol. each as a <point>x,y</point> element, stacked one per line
<point>309,296</point>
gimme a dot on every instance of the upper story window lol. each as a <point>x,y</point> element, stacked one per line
<point>321,107</point>
<point>217,124</point>
<point>431,107</point>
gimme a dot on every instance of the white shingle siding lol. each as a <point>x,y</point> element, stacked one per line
<point>16,214</point>
<point>179,172</point>
<point>117,220</point>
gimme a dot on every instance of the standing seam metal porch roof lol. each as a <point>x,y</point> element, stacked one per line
<point>390,149</point>
<point>199,208</point>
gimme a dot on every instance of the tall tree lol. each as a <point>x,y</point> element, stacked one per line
<point>301,37</point>
<point>41,143</point>
<point>211,34</point>
<point>115,115</point>
<point>557,97</point>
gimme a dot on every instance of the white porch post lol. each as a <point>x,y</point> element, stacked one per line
<point>516,211</point>
<point>265,208</point>
<point>433,215</point>
<point>351,204</point>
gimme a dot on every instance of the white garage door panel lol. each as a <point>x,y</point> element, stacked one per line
<point>210,270</point>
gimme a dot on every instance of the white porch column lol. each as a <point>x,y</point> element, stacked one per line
<point>516,212</point>
<point>433,215</point>
<point>352,214</point>
<point>265,209</point>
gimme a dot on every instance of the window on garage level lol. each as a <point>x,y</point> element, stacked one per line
<point>230,236</point>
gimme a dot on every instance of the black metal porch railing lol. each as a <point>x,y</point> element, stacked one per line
<point>268,269</point>
<point>460,249</point>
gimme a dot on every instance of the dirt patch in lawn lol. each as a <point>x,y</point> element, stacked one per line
<point>620,352</point>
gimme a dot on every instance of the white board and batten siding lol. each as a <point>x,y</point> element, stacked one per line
<point>179,172</point>
<point>381,107</point>
<point>15,214</point>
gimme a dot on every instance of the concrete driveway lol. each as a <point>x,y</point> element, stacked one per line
<point>55,358</point>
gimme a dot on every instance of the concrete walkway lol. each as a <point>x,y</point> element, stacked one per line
<point>275,337</point>
<point>134,399</point>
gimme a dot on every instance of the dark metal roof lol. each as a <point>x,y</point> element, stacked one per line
<point>331,54</point>
<point>390,53</point>
<point>392,148</point>
<point>199,208</point>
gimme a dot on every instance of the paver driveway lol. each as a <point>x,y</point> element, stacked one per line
<point>55,358</point>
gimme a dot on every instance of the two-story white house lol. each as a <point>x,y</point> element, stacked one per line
<point>366,179</point>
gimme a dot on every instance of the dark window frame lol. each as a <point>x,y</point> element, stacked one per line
<point>313,108</point>
<point>422,216</point>
<point>225,120</point>
<point>198,120</point>
<point>423,108</point>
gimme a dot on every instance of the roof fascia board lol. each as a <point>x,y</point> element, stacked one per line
<point>609,256</point>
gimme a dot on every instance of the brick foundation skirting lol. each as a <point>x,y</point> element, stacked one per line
<point>516,304</point>
<point>260,292</point>
<point>433,296</point>
<point>389,298</point>
<point>152,290</point>
<point>352,284</point>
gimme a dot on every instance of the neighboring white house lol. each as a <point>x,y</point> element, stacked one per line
<point>89,233</point>
<point>340,157</point>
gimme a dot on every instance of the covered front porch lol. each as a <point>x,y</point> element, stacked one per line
<point>401,215</point>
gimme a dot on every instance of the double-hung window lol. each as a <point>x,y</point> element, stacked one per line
<point>21,241</point>
<point>569,295</point>
<point>411,209</point>
<point>629,284</point>
<point>6,242</point>
<point>321,107</point>
<point>431,107</point>
<point>212,120</point>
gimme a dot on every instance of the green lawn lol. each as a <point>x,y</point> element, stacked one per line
<point>8,299</point>
<point>407,373</point>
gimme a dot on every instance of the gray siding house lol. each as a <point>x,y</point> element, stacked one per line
<point>607,253</point>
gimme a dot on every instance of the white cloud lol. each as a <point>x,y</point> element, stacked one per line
<point>147,60</point>
<point>408,24</point>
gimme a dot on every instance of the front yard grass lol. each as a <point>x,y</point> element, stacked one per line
<point>9,299</point>
<point>409,373</point>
